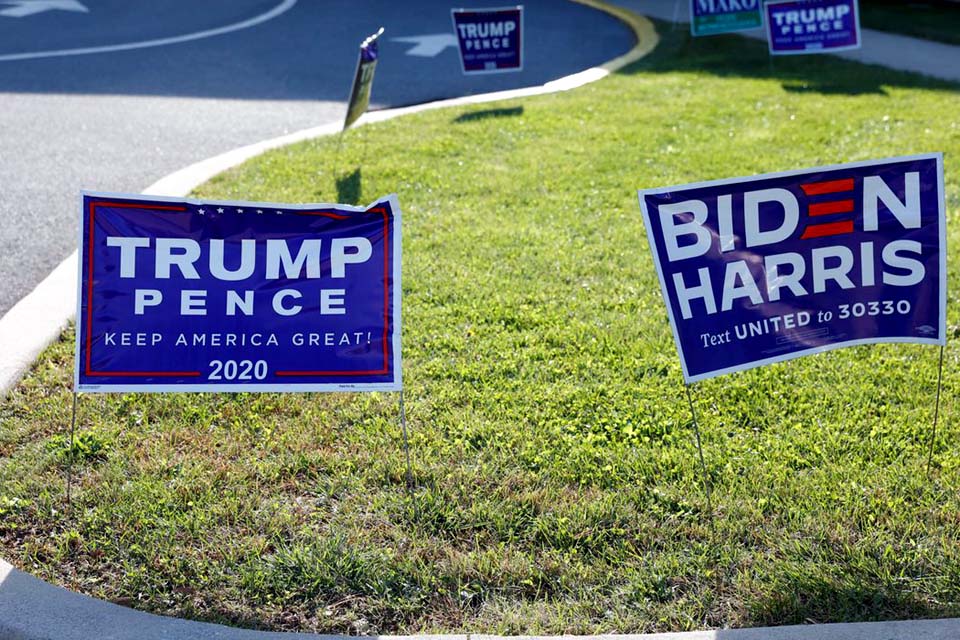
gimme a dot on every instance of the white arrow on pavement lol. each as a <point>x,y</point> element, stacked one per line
<point>430,45</point>
<point>22,8</point>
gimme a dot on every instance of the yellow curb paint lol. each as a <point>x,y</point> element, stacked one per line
<point>643,31</point>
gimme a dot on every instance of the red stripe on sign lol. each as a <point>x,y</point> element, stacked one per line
<point>325,214</point>
<point>829,229</point>
<point>137,205</point>
<point>831,186</point>
<point>282,374</point>
<point>89,341</point>
<point>386,289</point>
<point>386,314</point>
<point>835,206</point>
<point>143,374</point>
<point>89,287</point>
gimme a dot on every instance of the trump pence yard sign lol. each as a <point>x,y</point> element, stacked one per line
<point>191,295</point>
<point>490,40</point>
<point>812,26</point>
<point>767,268</point>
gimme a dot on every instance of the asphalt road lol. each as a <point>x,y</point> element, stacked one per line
<point>224,74</point>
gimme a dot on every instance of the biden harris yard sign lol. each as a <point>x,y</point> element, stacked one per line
<point>490,40</point>
<point>812,26</point>
<point>191,295</point>
<point>709,17</point>
<point>768,268</point>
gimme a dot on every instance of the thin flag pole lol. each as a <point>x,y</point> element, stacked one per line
<point>703,464</point>
<point>73,425</point>
<point>936,413</point>
<point>676,14</point>
<point>334,165</point>
<point>363,151</point>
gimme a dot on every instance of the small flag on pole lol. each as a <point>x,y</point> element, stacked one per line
<point>363,79</point>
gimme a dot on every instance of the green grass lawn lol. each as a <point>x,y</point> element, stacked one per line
<point>929,19</point>
<point>556,476</point>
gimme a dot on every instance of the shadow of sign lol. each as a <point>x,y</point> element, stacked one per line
<point>350,187</point>
<point>473,116</point>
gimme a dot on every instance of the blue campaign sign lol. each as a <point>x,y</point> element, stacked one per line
<point>490,40</point>
<point>812,26</point>
<point>198,295</point>
<point>768,268</point>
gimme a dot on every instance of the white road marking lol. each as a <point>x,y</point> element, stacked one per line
<point>23,8</point>
<point>280,9</point>
<point>429,45</point>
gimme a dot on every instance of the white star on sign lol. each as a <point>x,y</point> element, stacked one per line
<point>239,210</point>
<point>219,209</point>
<point>201,211</point>
<point>259,210</point>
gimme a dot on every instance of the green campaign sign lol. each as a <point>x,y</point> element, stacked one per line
<point>709,17</point>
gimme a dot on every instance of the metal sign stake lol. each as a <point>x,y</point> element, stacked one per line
<point>406,449</point>
<point>936,413</point>
<point>73,425</point>
<point>334,160</point>
<point>703,464</point>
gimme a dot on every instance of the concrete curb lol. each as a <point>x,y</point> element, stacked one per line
<point>36,321</point>
<point>53,613</point>
<point>915,630</point>
<point>31,609</point>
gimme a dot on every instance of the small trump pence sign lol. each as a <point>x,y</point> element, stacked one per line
<point>490,40</point>
<point>812,26</point>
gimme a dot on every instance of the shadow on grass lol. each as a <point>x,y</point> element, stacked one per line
<point>740,57</point>
<point>350,187</point>
<point>826,88</point>
<point>507,112</point>
<point>819,598</point>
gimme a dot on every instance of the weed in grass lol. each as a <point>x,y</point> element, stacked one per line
<point>85,446</point>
